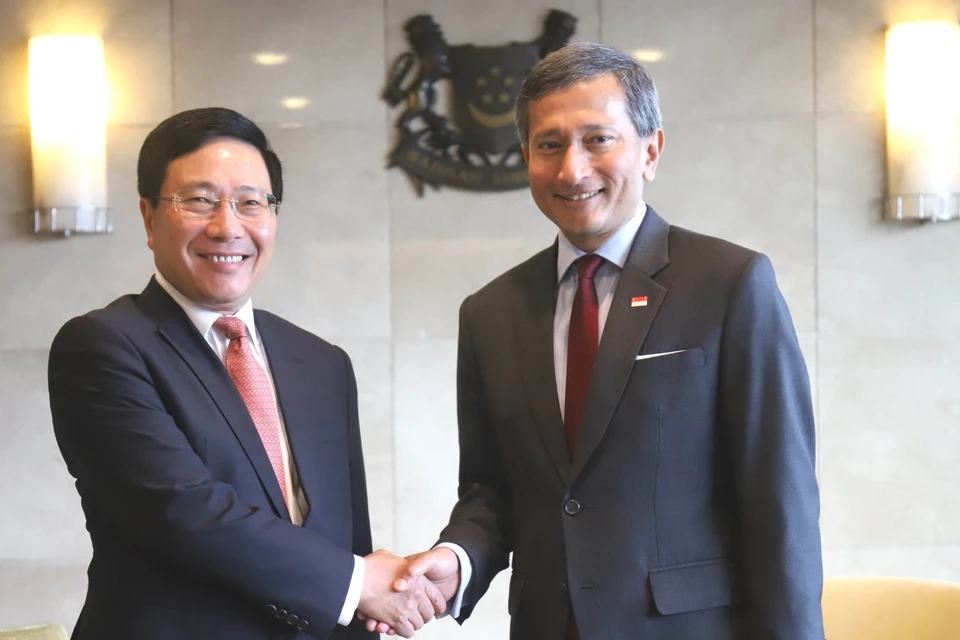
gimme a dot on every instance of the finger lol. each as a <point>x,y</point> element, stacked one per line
<point>425,608</point>
<point>405,629</point>
<point>416,619</point>
<point>380,627</point>
<point>416,568</point>
<point>431,602</point>
<point>434,596</point>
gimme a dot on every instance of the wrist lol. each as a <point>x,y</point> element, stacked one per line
<point>449,556</point>
<point>369,573</point>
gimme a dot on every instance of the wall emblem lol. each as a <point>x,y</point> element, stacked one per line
<point>480,151</point>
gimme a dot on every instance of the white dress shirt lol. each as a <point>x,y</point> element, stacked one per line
<point>203,320</point>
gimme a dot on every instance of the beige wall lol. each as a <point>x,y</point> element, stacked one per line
<point>774,129</point>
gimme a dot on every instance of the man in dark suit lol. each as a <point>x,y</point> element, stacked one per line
<point>634,409</point>
<point>216,448</point>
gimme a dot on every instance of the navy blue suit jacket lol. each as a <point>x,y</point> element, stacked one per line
<point>191,537</point>
<point>689,510</point>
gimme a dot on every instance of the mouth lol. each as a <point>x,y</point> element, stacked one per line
<point>577,197</point>
<point>224,258</point>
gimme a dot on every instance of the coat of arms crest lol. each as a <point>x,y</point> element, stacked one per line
<point>481,151</point>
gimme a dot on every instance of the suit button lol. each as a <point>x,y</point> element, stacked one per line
<point>271,609</point>
<point>302,625</point>
<point>281,614</point>
<point>571,507</point>
<point>292,619</point>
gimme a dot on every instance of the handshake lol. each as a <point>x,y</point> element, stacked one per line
<point>400,595</point>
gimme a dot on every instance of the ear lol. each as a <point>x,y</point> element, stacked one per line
<point>653,147</point>
<point>148,213</point>
<point>526,153</point>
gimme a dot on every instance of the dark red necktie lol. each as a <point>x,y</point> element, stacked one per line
<point>581,347</point>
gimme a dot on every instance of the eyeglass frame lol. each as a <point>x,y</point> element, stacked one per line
<point>272,203</point>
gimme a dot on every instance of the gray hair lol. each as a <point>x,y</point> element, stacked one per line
<point>584,61</point>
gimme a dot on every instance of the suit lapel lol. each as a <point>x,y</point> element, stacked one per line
<point>533,318</point>
<point>294,396</point>
<point>176,329</point>
<point>625,330</point>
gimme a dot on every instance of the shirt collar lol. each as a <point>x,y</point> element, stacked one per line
<point>616,249</point>
<point>203,319</point>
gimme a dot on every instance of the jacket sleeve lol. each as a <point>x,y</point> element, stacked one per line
<point>481,521</point>
<point>362,542</point>
<point>136,468</point>
<point>768,415</point>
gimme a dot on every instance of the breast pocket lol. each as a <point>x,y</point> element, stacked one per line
<point>670,362</point>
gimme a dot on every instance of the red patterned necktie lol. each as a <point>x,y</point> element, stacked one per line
<point>255,389</point>
<point>581,347</point>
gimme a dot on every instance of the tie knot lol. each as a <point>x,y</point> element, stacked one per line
<point>231,327</point>
<point>587,266</point>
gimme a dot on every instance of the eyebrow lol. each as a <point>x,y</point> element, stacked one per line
<point>250,187</point>
<point>205,184</point>
<point>199,185</point>
<point>556,130</point>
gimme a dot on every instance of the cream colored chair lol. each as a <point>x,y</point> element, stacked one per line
<point>890,609</point>
<point>38,632</point>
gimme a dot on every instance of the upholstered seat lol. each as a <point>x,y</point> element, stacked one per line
<point>35,632</point>
<point>890,609</point>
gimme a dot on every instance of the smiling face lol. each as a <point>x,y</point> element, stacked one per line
<point>587,162</point>
<point>214,261</point>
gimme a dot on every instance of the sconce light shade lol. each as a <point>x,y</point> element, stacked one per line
<point>923,121</point>
<point>68,130</point>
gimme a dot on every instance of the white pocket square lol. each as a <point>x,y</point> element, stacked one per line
<point>647,356</point>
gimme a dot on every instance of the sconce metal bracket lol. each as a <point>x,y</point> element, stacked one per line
<point>67,221</point>
<point>924,207</point>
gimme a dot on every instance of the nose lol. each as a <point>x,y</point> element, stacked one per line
<point>575,167</point>
<point>224,225</point>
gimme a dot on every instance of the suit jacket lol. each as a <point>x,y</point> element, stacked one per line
<point>690,507</point>
<point>191,537</point>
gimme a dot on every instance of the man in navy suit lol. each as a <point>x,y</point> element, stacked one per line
<point>216,448</point>
<point>635,418</point>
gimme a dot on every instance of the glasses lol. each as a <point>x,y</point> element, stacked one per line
<point>199,202</point>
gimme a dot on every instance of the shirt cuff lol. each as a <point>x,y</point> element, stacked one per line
<point>353,593</point>
<point>466,572</point>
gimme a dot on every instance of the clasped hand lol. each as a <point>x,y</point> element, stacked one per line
<point>400,595</point>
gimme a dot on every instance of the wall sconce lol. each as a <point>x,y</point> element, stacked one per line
<point>68,132</point>
<point>923,121</point>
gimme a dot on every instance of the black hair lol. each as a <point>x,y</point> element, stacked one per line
<point>582,62</point>
<point>186,132</point>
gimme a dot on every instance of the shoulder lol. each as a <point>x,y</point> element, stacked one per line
<point>101,343</point>
<point>538,271</point>
<point>714,273</point>
<point>699,248</point>
<point>714,262</point>
<point>297,339</point>
<point>117,319</point>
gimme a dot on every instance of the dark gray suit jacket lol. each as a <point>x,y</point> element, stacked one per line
<point>690,508</point>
